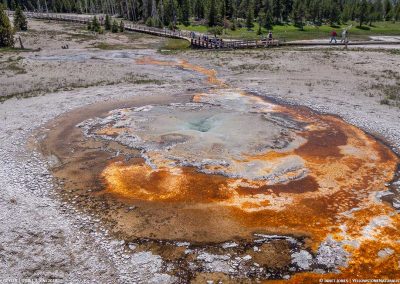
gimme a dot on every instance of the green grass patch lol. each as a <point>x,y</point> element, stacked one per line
<point>141,79</point>
<point>391,93</point>
<point>172,44</point>
<point>81,37</point>
<point>14,67</point>
<point>14,49</point>
<point>107,46</point>
<point>21,95</point>
<point>394,51</point>
<point>12,64</point>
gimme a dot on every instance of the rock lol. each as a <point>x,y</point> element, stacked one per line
<point>182,244</point>
<point>131,246</point>
<point>229,245</point>
<point>303,259</point>
<point>246,258</point>
<point>385,252</point>
<point>331,254</point>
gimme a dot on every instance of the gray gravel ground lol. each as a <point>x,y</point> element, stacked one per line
<point>41,238</point>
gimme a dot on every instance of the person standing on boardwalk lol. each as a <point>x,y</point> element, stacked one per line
<point>269,36</point>
<point>344,36</point>
<point>333,36</point>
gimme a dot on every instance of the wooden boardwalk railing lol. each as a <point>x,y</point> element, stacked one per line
<point>196,40</point>
<point>213,43</point>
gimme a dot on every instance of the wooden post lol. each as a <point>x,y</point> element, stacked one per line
<point>20,43</point>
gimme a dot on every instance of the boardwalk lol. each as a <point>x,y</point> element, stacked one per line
<point>198,40</point>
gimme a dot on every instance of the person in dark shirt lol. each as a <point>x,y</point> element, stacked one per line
<point>333,36</point>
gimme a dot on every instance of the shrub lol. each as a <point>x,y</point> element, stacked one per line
<point>217,30</point>
<point>259,31</point>
<point>149,22</point>
<point>385,101</point>
<point>95,24</point>
<point>233,26</point>
<point>107,23</point>
<point>20,22</point>
<point>6,30</point>
<point>114,27</point>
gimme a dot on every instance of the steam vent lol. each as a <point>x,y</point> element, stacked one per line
<point>228,185</point>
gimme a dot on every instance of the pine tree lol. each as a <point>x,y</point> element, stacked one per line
<point>346,13</point>
<point>378,9</point>
<point>222,11</point>
<point>169,12</point>
<point>89,25</point>
<point>114,26</point>
<point>234,11</point>
<point>185,12</point>
<point>362,12</point>
<point>20,22</point>
<point>298,14</point>
<point>199,9</point>
<point>287,9</point>
<point>372,15</point>
<point>121,26</point>
<point>277,10</point>
<point>95,24</point>
<point>334,12</point>
<point>268,21</point>
<point>107,23</point>
<point>314,12</point>
<point>257,7</point>
<point>267,6</point>
<point>261,18</point>
<point>229,8</point>
<point>388,10</point>
<point>212,15</point>
<point>6,30</point>
<point>397,12</point>
<point>259,30</point>
<point>250,15</point>
<point>233,26</point>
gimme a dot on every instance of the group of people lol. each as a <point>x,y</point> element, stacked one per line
<point>344,39</point>
<point>215,41</point>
